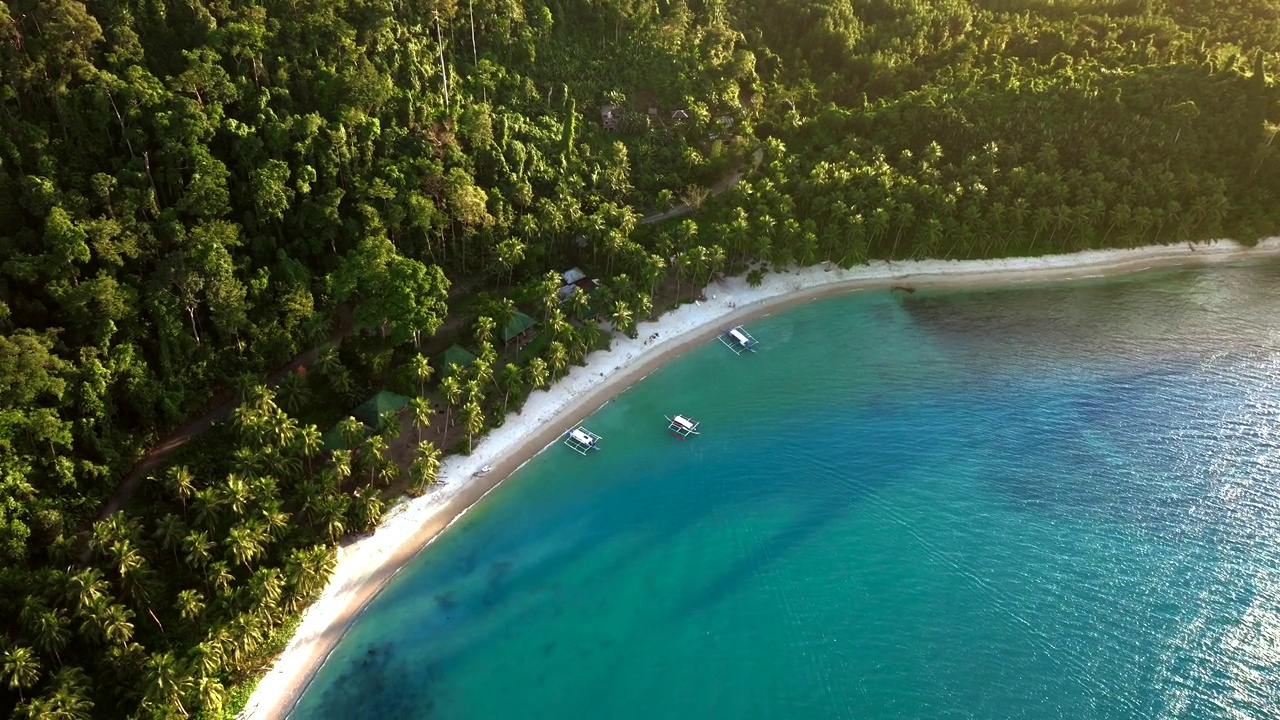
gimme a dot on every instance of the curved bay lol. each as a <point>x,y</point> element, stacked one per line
<point>1055,501</point>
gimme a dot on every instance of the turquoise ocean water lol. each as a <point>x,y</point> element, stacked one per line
<point>1049,501</point>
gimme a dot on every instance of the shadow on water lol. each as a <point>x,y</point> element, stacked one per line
<point>858,478</point>
<point>380,681</point>
<point>374,686</point>
<point>810,523</point>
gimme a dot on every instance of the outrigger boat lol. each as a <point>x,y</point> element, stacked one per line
<point>580,440</point>
<point>682,427</point>
<point>739,340</point>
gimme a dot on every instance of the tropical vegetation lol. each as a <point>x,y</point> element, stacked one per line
<point>257,213</point>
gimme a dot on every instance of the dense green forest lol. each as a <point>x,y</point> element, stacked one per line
<point>193,194</point>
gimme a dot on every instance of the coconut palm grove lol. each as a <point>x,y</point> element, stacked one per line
<point>263,263</point>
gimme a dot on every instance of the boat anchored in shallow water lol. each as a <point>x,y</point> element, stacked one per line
<point>580,440</point>
<point>682,427</point>
<point>739,340</point>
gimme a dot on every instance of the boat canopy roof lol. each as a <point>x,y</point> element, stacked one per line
<point>683,421</point>
<point>581,436</point>
<point>738,335</point>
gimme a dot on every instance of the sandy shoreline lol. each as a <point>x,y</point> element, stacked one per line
<point>367,564</point>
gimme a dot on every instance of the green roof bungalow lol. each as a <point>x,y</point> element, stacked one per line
<point>334,440</point>
<point>518,329</point>
<point>455,356</point>
<point>373,408</point>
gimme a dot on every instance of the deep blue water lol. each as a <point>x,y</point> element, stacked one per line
<point>1050,501</point>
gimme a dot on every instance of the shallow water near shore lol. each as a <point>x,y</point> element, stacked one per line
<point>1048,501</point>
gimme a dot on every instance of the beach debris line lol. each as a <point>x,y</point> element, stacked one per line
<point>682,427</point>
<point>739,340</point>
<point>580,440</point>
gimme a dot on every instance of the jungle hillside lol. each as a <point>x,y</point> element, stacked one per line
<point>264,262</point>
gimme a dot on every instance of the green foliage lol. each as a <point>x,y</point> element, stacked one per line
<point>195,192</point>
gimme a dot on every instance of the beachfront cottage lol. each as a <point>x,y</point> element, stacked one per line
<point>574,277</point>
<point>385,401</point>
<point>518,329</point>
<point>455,357</point>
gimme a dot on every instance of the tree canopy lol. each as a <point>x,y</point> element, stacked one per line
<point>193,194</point>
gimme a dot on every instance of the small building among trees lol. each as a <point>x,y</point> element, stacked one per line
<point>575,280</point>
<point>335,439</point>
<point>455,357</point>
<point>371,411</point>
<point>611,117</point>
<point>519,329</point>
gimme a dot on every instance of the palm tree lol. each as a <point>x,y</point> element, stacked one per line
<point>423,371</point>
<point>473,419</point>
<point>536,372</point>
<point>275,518</point>
<point>267,587</point>
<point>181,482</point>
<point>50,627</point>
<point>368,507</point>
<point>282,429</point>
<point>207,502</point>
<point>621,317</point>
<point>114,623</point>
<point>452,389</point>
<point>198,548</point>
<point>342,382</point>
<point>375,451</point>
<point>335,515</point>
<point>316,328</point>
<point>549,291</point>
<point>557,358</point>
<point>351,430</point>
<point>68,698</point>
<point>247,460</point>
<point>166,682</point>
<point>654,269</point>
<point>388,472</point>
<point>484,328</point>
<point>190,605</point>
<point>420,414</point>
<point>341,466</point>
<point>211,692</point>
<point>327,360</point>
<point>389,425</point>
<point>309,442</point>
<point>643,307</point>
<point>579,306</point>
<point>482,368</point>
<point>308,568</point>
<point>512,378</point>
<point>503,311</point>
<point>426,464</point>
<point>294,393</point>
<point>86,588</point>
<point>244,542</point>
<point>236,494</point>
<point>169,532</point>
<point>19,665</point>
<point>307,495</point>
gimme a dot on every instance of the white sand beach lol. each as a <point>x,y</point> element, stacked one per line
<point>364,566</point>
